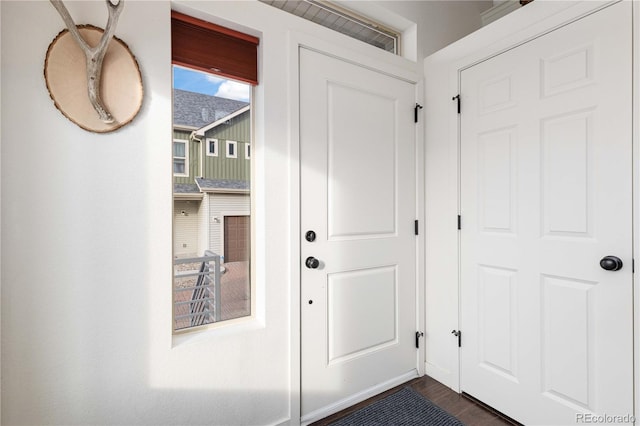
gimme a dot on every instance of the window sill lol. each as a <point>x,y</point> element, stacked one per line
<point>213,331</point>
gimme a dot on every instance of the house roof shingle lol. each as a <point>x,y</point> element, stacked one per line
<point>208,185</point>
<point>185,188</point>
<point>197,110</point>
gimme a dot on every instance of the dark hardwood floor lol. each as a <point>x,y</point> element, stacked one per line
<point>466,410</point>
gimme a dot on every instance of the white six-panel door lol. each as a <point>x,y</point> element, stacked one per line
<point>546,179</point>
<point>358,196</point>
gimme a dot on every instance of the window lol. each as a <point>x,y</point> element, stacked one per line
<point>232,149</point>
<point>180,158</point>
<point>213,70</point>
<point>345,21</point>
<point>247,151</point>
<point>212,147</point>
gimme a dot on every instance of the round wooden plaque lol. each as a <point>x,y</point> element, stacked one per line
<point>66,77</point>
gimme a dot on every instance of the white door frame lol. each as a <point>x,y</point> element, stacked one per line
<point>389,64</point>
<point>442,186</point>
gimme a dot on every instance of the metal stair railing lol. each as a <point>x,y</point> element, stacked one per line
<point>204,305</point>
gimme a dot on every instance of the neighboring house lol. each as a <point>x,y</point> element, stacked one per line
<point>211,168</point>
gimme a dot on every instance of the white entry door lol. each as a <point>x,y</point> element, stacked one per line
<point>546,173</point>
<point>358,206</point>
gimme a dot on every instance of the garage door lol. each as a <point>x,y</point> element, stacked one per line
<point>237,236</point>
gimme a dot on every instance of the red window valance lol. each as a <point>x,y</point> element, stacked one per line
<point>211,48</point>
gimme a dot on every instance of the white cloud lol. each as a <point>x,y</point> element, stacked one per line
<point>214,79</point>
<point>233,90</point>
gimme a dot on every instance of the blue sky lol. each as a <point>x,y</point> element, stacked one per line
<point>209,84</point>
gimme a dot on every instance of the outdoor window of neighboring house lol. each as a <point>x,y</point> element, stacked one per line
<point>232,149</point>
<point>247,151</point>
<point>212,147</point>
<point>180,158</point>
<point>214,69</point>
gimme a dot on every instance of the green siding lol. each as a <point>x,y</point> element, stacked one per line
<point>237,129</point>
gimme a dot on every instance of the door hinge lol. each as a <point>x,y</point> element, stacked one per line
<point>458,334</point>
<point>457,97</point>
<point>459,222</point>
<point>416,227</point>
<point>419,334</point>
<point>415,112</point>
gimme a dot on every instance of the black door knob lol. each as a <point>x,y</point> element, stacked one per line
<point>611,263</point>
<point>312,262</point>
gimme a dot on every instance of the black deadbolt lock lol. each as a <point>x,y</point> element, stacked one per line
<point>311,236</point>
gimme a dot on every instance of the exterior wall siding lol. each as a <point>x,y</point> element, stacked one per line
<point>221,205</point>
<point>238,129</point>
<point>185,240</point>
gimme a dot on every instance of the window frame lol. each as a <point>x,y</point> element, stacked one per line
<point>198,56</point>
<point>369,30</point>
<point>186,157</point>
<point>216,145</point>
<point>247,151</point>
<point>235,149</point>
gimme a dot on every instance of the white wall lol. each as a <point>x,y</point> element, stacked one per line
<point>0,227</point>
<point>439,22</point>
<point>86,282</point>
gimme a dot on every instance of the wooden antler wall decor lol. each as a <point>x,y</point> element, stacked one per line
<point>92,77</point>
<point>94,55</point>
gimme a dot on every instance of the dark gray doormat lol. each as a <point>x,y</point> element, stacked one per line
<point>403,408</point>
